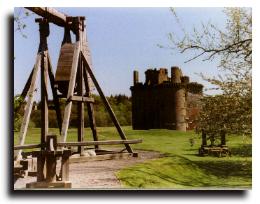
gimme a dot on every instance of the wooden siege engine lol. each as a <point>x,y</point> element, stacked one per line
<point>73,81</point>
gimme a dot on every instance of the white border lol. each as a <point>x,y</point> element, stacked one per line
<point>6,8</point>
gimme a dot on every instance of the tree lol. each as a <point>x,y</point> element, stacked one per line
<point>20,15</point>
<point>18,100</point>
<point>230,111</point>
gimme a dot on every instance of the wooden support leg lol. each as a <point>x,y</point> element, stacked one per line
<point>44,98</point>
<point>40,168</point>
<point>67,111</point>
<point>107,105</point>
<point>51,167</point>
<point>92,122</point>
<point>80,108</point>
<point>90,108</point>
<point>28,84</point>
<point>65,165</point>
<point>26,89</point>
<point>54,93</point>
<point>28,107</point>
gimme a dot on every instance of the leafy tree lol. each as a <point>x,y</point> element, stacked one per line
<point>121,105</point>
<point>19,16</point>
<point>17,115</point>
<point>230,111</point>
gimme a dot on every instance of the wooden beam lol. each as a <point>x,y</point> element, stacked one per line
<point>25,90</point>
<point>44,98</point>
<point>27,85</point>
<point>28,107</point>
<point>54,93</point>
<point>55,16</point>
<point>27,146</point>
<point>106,142</point>
<point>105,101</point>
<point>81,99</point>
<point>51,14</point>
<point>80,106</point>
<point>65,165</point>
<point>67,111</point>
<point>90,108</point>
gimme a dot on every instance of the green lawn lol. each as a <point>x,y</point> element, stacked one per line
<point>181,167</point>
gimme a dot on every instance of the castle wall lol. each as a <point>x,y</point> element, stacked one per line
<point>161,101</point>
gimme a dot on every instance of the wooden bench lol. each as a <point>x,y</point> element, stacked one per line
<point>214,150</point>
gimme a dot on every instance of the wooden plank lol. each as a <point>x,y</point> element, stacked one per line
<point>27,146</point>
<point>81,99</point>
<point>51,14</point>
<point>106,142</point>
<point>44,98</point>
<point>67,111</point>
<point>65,64</point>
<point>28,107</point>
<point>47,185</point>
<point>106,103</point>
<point>54,93</point>
<point>80,106</point>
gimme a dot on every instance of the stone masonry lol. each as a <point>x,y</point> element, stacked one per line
<point>160,102</point>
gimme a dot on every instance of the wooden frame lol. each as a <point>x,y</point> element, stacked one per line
<point>80,76</point>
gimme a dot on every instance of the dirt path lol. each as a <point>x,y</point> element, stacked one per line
<point>98,174</point>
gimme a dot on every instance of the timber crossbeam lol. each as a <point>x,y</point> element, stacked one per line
<point>27,146</point>
<point>81,99</point>
<point>87,143</point>
<point>107,142</point>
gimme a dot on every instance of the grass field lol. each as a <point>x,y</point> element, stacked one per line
<point>181,167</point>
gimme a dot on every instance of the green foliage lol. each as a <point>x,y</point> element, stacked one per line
<point>19,18</point>
<point>120,104</point>
<point>226,113</point>
<point>18,100</point>
<point>231,111</point>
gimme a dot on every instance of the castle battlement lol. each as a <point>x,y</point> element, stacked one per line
<point>160,102</point>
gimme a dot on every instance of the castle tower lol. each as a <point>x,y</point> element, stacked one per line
<point>136,77</point>
<point>179,99</point>
<point>160,102</point>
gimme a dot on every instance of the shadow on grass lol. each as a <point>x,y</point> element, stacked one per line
<point>225,169</point>
<point>182,173</point>
<point>244,150</point>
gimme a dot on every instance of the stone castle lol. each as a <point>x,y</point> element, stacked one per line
<point>160,102</point>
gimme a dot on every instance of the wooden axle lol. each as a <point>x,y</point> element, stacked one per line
<point>107,142</point>
<point>27,146</point>
<point>87,143</point>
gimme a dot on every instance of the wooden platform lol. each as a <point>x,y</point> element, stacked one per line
<point>44,184</point>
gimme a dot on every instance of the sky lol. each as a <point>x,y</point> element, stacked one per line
<point>121,40</point>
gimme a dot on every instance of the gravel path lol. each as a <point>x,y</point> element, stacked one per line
<point>97,174</point>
